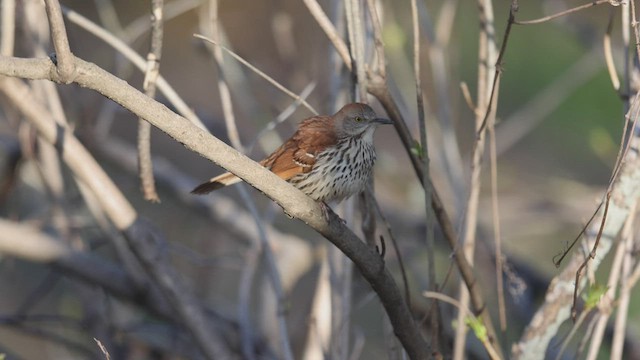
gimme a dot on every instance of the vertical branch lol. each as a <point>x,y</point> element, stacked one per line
<point>8,24</point>
<point>426,184</point>
<point>260,246</point>
<point>626,35</point>
<point>381,63</point>
<point>620,269</point>
<point>329,325</point>
<point>225,94</point>
<point>145,167</point>
<point>483,119</point>
<point>355,28</point>
<point>263,246</point>
<point>319,329</point>
<point>136,59</point>
<point>340,268</point>
<point>495,214</point>
<point>325,23</point>
<point>437,38</point>
<point>617,344</point>
<point>486,58</point>
<point>64,58</point>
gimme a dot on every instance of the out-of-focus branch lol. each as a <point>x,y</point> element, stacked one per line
<point>28,243</point>
<point>260,73</point>
<point>426,184</point>
<point>330,31</point>
<point>466,269</point>
<point>142,239</point>
<point>487,60</point>
<point>557,306</point>
<point>288,197</point>
<point>136,59</point>
<point>8,23</point>
<point>562,13</point>
<point>261,244</point>
<point>145,166</point>
<point>355,26</point>
<point>64,57</point>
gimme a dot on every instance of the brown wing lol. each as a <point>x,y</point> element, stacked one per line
<point>297,155</point>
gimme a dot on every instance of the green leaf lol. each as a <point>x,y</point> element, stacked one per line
<point>478,327</point>
<point>593,295</point>
<point>417,150</point>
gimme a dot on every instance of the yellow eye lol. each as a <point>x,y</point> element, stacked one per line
<point>358,119</point>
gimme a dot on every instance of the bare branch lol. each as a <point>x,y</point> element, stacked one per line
<point>8,23</point>
<point>145,167</point>
<point>562,13</point>
<point>137,60</point>
<point>260,73</point>
<point>64,57</point>
<point>330,31</point>
<point>142,239</point>
<point>292,200</point>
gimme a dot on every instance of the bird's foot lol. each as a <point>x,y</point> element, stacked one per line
<point>327,213</point>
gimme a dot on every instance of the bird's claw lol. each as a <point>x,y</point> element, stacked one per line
<point>327,213</point>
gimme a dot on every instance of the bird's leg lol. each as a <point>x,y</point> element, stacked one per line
<point>327,212</point>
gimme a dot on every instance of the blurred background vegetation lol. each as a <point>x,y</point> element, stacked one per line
<point>551,176</point>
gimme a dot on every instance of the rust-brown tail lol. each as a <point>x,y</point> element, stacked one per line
<point>216,183</point>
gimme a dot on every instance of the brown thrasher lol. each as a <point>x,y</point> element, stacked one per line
<point>329,158</point>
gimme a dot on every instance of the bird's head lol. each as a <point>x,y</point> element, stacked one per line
<point>357,119</point>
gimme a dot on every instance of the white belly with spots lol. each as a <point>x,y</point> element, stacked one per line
<point>339,172</point>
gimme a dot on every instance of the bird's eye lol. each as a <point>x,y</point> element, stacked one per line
<point>358,119</point>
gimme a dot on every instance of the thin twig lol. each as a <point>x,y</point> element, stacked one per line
<point>493,353</point>
<point>495,212</point>
<point>145,166</point>
<point>64,58</point>
<point>102,349</point>
<point>574,330</point>
<point>608,55</point>
<point>166,89</point>
<point>405,282</point>
<point>330,30</point>
<point>486,93</point>
<point>562,13</point>
<point>620,268</point>
<point>466,94</point>
<point>260,73</point>
<point>426,184</point>
<point>283,116</point>
<point>437,37</point>
<point>634,24</point>
<point>223,88</point>
<point>591,255</point>
<point>262,245</point>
